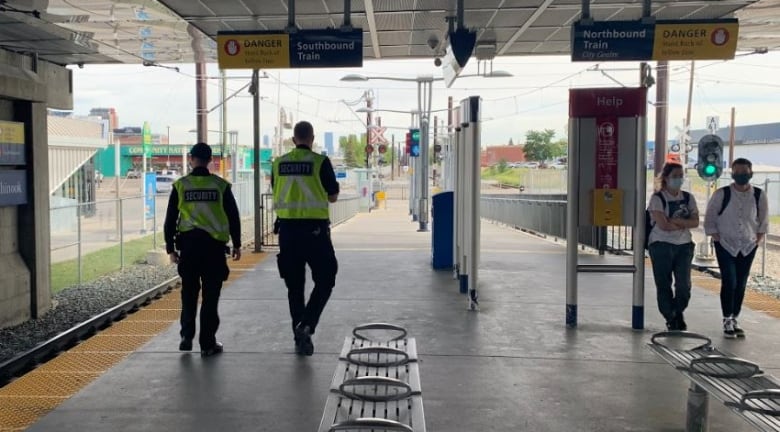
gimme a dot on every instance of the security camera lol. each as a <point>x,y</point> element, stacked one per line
<point>437,62</point>
<point>433,41</point>
<point>80,65</point>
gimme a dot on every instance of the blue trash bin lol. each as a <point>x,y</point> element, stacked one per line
<point>443,218</point>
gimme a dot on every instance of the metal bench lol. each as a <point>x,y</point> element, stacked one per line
<point>376,385</point>
<point>738,383</point>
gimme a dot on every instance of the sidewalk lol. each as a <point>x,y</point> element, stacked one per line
<point>512,366</point>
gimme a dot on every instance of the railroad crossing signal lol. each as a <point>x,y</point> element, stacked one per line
<point>376,135</point>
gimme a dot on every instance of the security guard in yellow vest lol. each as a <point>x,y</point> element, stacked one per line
<point>202,215</point>
<point>304,183</point>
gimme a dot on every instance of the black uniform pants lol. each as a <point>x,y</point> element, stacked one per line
<point>301,244</point>
<point>202,266</point>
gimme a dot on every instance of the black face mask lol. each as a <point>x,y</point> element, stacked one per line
<point>742,179</point>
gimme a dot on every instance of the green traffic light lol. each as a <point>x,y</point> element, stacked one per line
<point>709,169</point>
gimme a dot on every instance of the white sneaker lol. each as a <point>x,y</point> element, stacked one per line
<point>728,328</point>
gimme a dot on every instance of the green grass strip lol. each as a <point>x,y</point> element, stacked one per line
<point>100,263</point>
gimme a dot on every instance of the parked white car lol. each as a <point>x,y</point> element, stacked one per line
<point>165,183</point>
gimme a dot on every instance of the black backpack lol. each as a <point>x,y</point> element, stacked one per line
<point>649,220</point>
<point>727,197</point>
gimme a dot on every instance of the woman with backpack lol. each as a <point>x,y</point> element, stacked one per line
<point>673,213</point>
<point>737,219</point>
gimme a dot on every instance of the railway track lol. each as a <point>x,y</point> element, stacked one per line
<point>45,351</point>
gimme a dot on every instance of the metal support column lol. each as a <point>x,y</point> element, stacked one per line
<point>572,227</point>
<point>638,303</point>
<point>201,110</point>
<point>698,408</point>
<point>475,148</point>
<point>256,161</point>
<point>425,113</point>
<point>462,218</point>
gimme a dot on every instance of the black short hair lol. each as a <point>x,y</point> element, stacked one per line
<point>201,151</point>
<point>303,130</point>
<point>742,161</point>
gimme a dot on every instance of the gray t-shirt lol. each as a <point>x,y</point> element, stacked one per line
<point>675,208</point>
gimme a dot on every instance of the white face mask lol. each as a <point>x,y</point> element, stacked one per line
<point>674,183</point>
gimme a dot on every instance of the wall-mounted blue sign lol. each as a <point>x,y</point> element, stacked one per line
<point>612,41</point>
<point>13,187</point>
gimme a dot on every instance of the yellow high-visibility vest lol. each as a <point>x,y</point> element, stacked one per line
<point>200,205</point>
<point>298,191</point>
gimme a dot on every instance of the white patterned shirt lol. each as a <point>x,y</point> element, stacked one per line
<point>740,221</point>
<point>675,208</point>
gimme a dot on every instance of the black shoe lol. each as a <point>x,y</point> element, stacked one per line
<point>737,329</point>
<point>303,343</point>
<point>185,344</point>
<point>214,350</point>
<point>681,325</point>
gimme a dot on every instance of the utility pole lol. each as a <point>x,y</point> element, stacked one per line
<point>369,107</point>
<point>688,115</point>
<point>732,134</point>
<point>223,121</point>
<point>661,114</point>
<point>168,150</point>
<point>392,159</point>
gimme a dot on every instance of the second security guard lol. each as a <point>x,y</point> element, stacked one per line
<point>202,215</point>
<point>304,183</point>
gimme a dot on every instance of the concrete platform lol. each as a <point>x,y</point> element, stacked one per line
<point>512,366</point>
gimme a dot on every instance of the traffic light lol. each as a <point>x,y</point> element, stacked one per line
<point>710,162</point>
<point>415,148</point>
<point>408,148</point>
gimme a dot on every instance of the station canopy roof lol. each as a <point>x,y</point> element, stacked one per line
<point>183,31</point>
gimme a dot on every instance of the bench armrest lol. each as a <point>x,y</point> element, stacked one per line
<point>379,326</point>
<point>401,357</point>
<point>707,345</point>
<point>719,366</point>
<point>370,423</point>
<point>373,382</point>
<point>745,404</point>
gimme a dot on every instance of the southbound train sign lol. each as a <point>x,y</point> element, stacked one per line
<point>662,40</point>
<point>303,49</point>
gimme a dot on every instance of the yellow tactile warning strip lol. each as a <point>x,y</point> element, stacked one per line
<point>754,300</point>
<point>30,397</point>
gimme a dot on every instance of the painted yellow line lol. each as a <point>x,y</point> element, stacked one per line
<point>754,300</point>
<point>30,397</point>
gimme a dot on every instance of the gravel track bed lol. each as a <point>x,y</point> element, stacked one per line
<point>76,305</point>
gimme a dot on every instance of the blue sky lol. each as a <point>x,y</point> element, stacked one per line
<point>536,97</point>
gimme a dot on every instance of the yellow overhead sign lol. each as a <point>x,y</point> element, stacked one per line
<point>696,40</point>
<point>253,51</point>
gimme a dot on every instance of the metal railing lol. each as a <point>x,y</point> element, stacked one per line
<point>340,211</point>
<point>89,240</point>
<point>544,217</point>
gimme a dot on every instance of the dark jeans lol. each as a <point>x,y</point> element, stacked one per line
<point>301,244</point>
<point>202,266</point>
<point>672,260</point>
<point>734,273</point>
